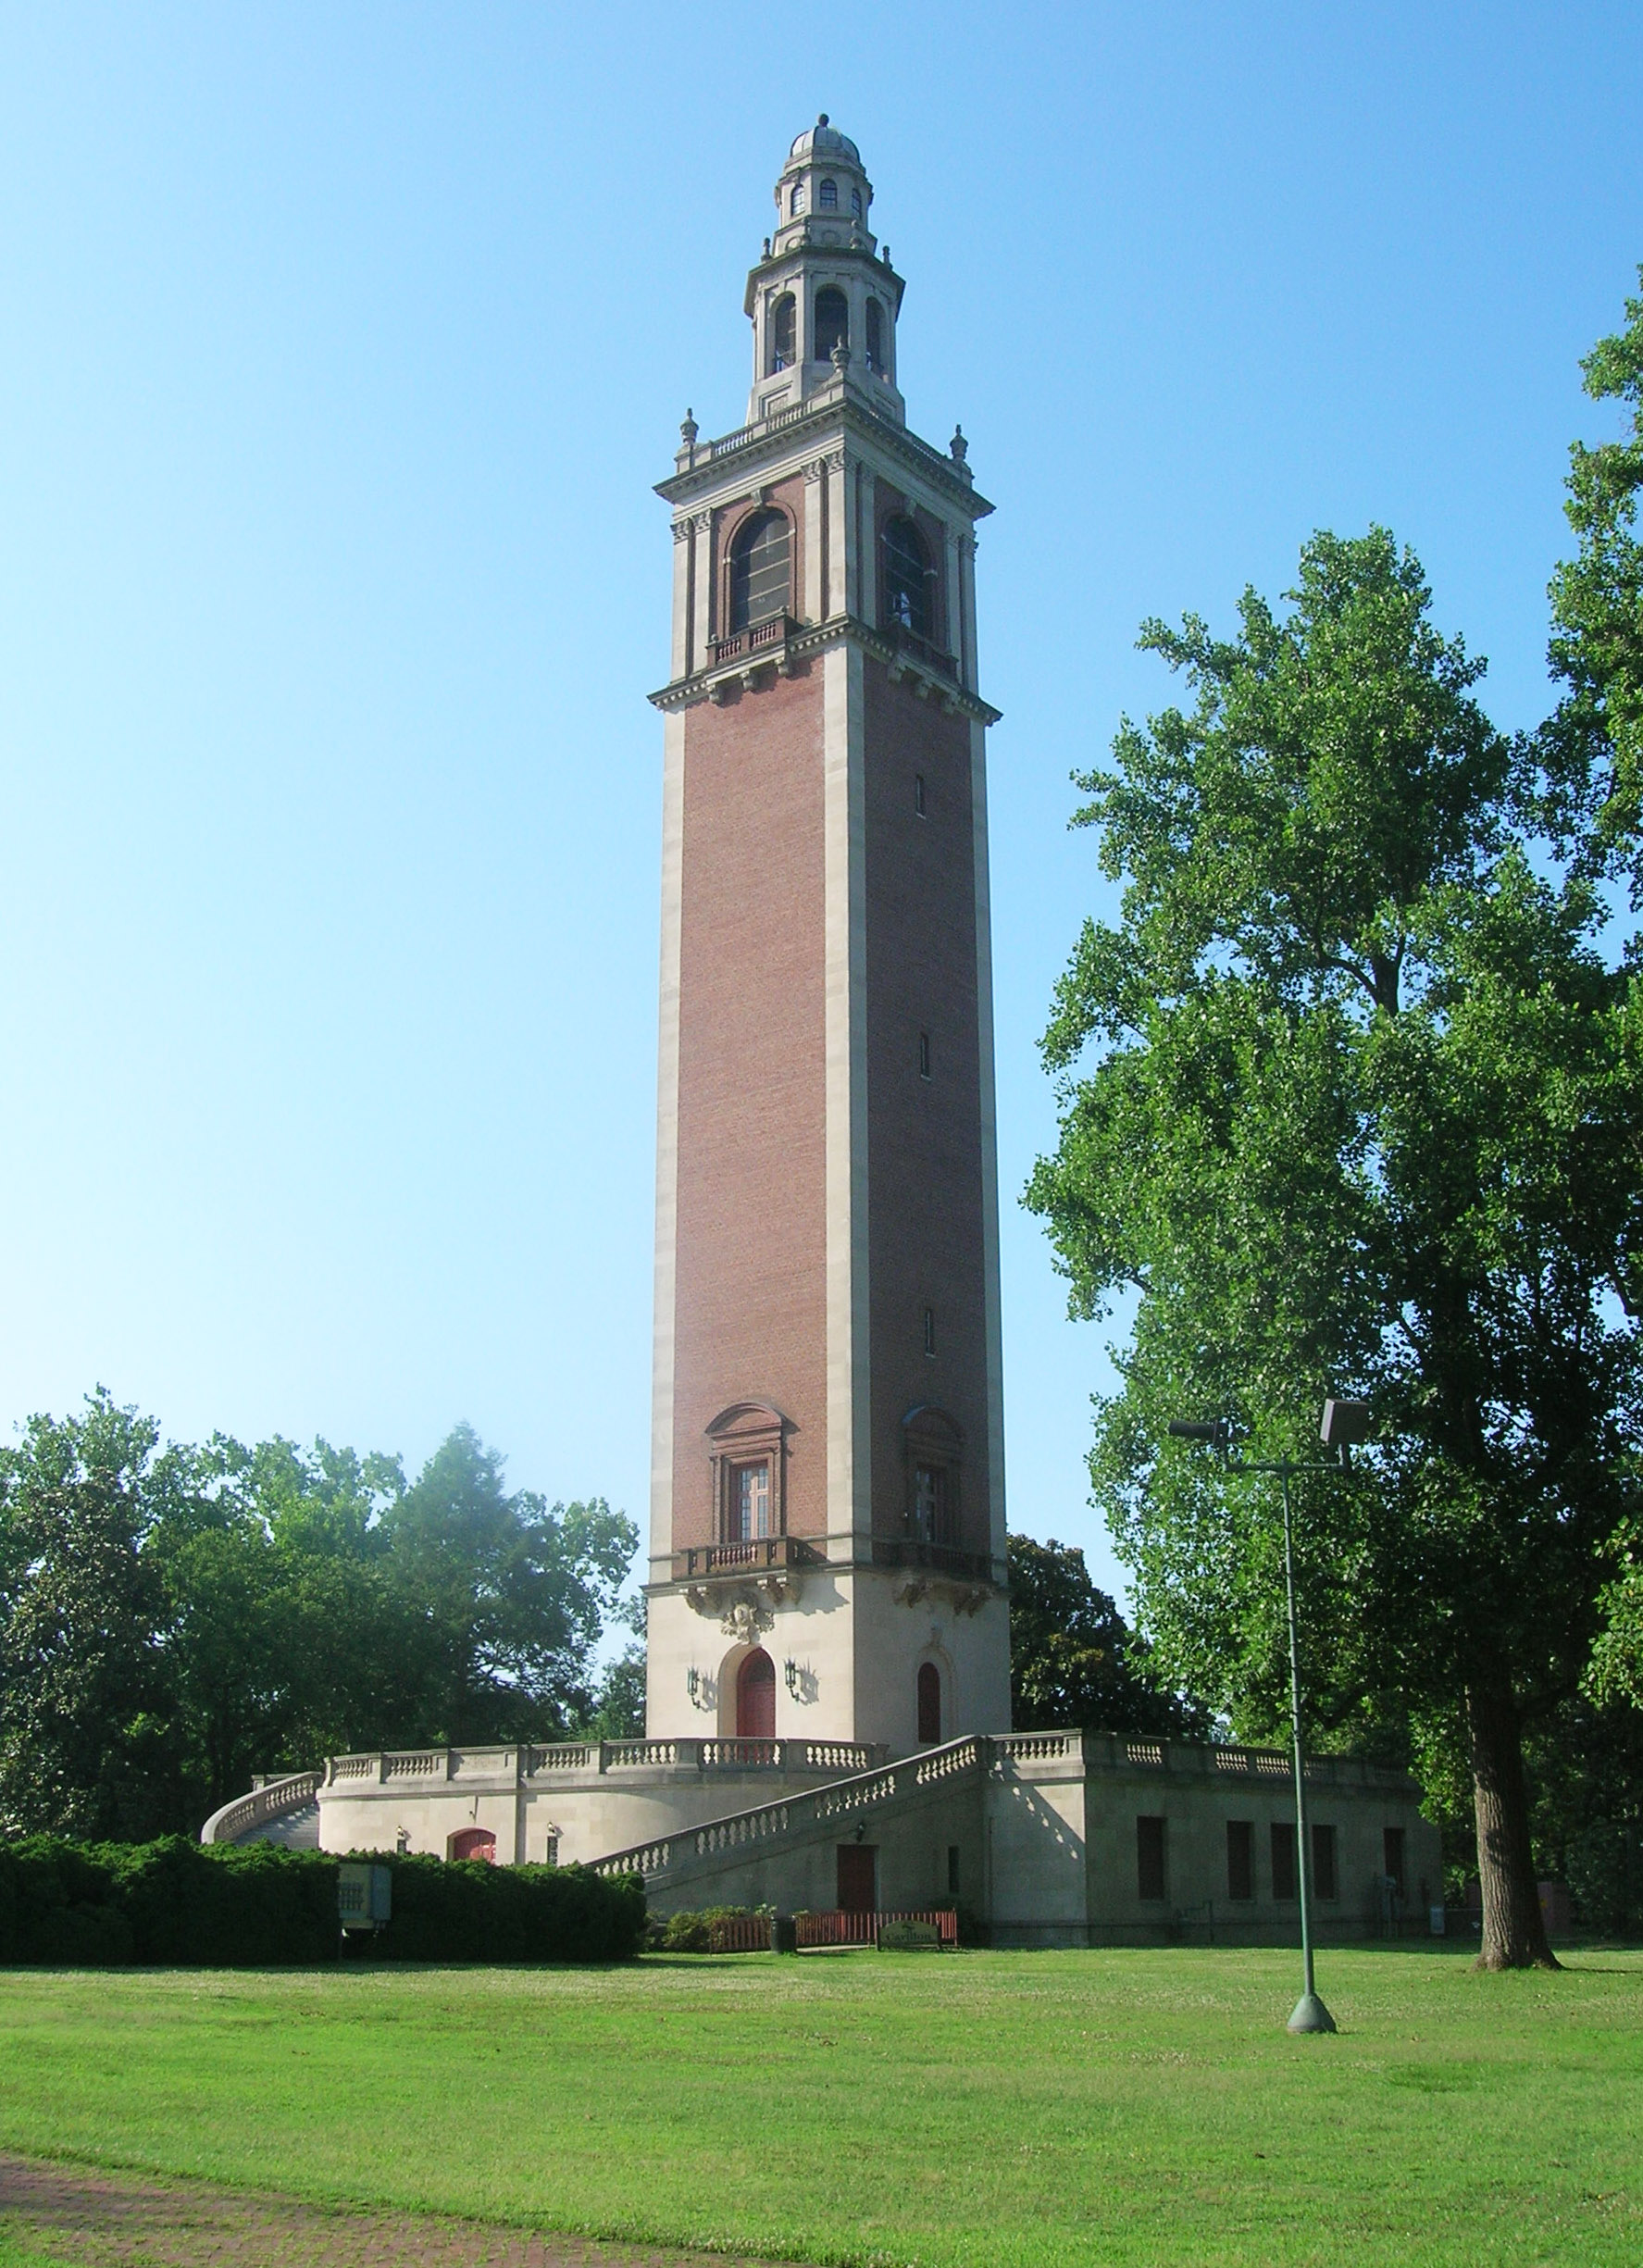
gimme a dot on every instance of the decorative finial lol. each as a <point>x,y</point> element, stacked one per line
<point>821,118</point>
<point>689,430</point>
<point>887,254</point>
<point>958,444</point>
<point>766,247</point>
<point>840,358</point>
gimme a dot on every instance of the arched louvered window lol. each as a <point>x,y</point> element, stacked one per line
<point>827,197</point>
<point>875,336</point>
<point>760,571</point>
<point>855,203</point>
<point>796,202</point>
<point>907,579</point>
<point>784,318</point>
<point>833,321</point>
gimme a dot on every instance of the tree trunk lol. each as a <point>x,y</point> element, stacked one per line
<point>1514,1926</point>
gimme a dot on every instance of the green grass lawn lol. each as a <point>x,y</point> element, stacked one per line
<point>1003,2109</point>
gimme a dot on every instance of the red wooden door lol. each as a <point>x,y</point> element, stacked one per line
<point>755,1698</point>
<point>475,1843</point>
<point>858,1878</point>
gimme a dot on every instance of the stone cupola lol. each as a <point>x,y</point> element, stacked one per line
<point>822,300</point>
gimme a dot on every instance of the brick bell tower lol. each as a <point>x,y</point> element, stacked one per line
<point>827,1509</point>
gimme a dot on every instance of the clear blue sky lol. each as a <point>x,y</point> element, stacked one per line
<point>341,344</point>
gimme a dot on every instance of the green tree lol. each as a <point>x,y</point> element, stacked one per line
<point>1073,1659</point>
<point>1593,747</point>
<point>1350,1097</point>
<point>86,1744</point>
<point>512,1591</point>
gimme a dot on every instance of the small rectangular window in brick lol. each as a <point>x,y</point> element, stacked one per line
<point>1240,1858</point>
<point>1150,1858</point>
<point>919,794</point>
<point>1283,1859</point>
<point>1324,1881</point>
<point>929,1330</point>
<point>924,1054</point>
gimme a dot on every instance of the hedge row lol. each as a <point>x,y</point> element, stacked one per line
<point>178,1904</point>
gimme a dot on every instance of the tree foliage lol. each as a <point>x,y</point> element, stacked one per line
<point>1593,747</point>
<point>1350,1097</point>
<point>1074,1660</point>
<point>172,1620</point>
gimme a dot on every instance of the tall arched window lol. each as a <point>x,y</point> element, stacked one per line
<point>827,197</point>
<point>907,579</point>
<point>855,203</point>
<point>929,1705</point>
<point>796,202</point>
<point>833,321</point>
<point>755,1697</point>
<point>783,334</point>
<point>875,335</point>
<point>760,578</point>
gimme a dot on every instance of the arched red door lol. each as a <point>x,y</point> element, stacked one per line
<point>755,1697</point>
<point>929,1705</point>
<point>475,1843</point>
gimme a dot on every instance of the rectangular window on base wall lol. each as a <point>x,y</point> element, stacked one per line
<point>1392,1852</point>
<point>1152,1875</point>
<point>1283,1860</point>
<point>1325,1882</point>
<point>1240,1858</point>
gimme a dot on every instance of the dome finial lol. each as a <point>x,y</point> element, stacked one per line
<point>821,118</point>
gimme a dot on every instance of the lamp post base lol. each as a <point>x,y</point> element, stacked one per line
<point>1311,2016</point>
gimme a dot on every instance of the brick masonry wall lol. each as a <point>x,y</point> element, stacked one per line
<point>925,1157</point>
<point>751,1288</point>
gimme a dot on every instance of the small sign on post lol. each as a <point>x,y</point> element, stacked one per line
<point>364,1895</point>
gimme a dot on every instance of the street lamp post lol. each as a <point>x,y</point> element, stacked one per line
<point>1345,1424</point>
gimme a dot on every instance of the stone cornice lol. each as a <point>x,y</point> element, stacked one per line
<point>804,640</point>
<point>838,416</point>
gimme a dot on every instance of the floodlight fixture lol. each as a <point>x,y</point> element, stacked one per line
<point>1346,1426</point>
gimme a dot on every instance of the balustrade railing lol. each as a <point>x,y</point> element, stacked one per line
<point>751,1557</point>
<point>274,1800</point>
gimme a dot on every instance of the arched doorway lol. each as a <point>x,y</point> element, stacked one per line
<point>755,1697</point>
<point>474,1843</point>
<point>929,1705</point>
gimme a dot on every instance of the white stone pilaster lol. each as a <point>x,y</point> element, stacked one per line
<point>702,579</point>
<point>840,562</point>
<point>816,496</point>
<point>682,598</point>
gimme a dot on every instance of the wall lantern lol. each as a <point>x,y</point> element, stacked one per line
<point>791,1671</point>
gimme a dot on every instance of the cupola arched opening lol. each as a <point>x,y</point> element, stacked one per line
<point>796,202</point>
<point>755,1697</point>
<point>907,579</point>
<point>833,321</point>
<point>827,197</point>
<point>783,334</point>
<point>855,203</point>
<point>761,570</point>
<point>876,359</point>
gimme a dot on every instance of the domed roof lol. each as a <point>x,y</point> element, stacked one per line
<point>825,141</point>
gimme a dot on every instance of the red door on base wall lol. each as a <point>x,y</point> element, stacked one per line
<point>858,1878</point>
<point>755,1698</point>
<point>475,1843</point>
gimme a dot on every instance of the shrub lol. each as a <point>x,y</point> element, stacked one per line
<point>463,1910</point>
<point>175,1903</point>
<point>714,1930</point>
